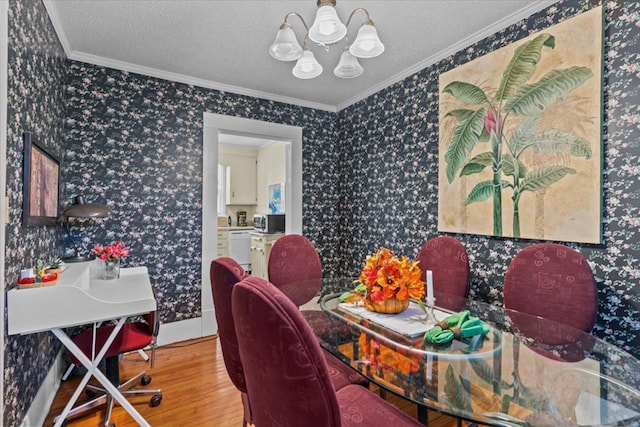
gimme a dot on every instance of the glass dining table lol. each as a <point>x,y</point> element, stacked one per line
<point>525,371</point>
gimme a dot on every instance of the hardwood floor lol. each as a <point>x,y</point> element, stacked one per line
<point>196,391</point>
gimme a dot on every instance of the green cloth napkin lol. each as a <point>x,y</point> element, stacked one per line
<point>458,325</point>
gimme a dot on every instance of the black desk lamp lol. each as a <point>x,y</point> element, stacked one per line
<point>81,209</point>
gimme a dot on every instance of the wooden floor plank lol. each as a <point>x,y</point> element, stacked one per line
<point>196,391</point>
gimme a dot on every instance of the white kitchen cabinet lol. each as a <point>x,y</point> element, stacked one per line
<point>260,251</point>
<point>222,248</point>
<point>241,180</point>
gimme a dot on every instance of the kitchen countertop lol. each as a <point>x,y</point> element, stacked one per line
<point>262,233</point>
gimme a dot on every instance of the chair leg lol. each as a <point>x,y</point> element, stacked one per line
<point>246,406</point>
<point>143,355</point>
<point>68,372</point>
<point>108,411</point>
<point>85,407</point>
<point>153,353</point>
<point>106,398</point>
<point>423,415</point>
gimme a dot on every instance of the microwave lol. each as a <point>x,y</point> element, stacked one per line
<point>268,223</point>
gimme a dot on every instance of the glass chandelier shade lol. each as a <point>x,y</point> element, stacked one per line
<point>348,67</point>
<point>367,43</point>
<point>307,67</point>
<point>285,47</point>
<point>327,28</point>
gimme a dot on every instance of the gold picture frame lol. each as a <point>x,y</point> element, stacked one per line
<point>520,141</point>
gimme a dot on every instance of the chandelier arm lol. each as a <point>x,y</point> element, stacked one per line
<point>306,27</point>
<point>367,21</point>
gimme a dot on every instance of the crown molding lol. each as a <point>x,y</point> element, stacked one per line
<point>526,12</point>
<point>52,10</point>
<point>529,10</point>
<point>181,78</point>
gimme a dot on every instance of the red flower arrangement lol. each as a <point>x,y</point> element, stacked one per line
<point>111,253</point>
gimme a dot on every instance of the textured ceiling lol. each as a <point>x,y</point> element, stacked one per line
<point>224,44</point>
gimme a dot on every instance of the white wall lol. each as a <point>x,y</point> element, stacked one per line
<point>272,169</point>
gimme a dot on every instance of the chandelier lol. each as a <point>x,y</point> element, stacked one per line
<point>327,30</point>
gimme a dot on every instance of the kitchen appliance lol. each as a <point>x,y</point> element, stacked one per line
<point>240,248</point>
<point>242,218</point>
<point>269,223</point>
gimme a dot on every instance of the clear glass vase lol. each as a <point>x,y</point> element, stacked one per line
<point>110,269</point>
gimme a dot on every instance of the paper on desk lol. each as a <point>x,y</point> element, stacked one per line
<point>410,322</point>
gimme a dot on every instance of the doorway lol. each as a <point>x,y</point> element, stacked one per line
<point>214,125</point>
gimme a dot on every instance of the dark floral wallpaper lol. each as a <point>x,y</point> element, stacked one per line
<point>36,76</point>
<point>390,178</point>
<point>135,143</point>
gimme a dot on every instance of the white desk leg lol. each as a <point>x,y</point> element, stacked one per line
<point>92,370</point>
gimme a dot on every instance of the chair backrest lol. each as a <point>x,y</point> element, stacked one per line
<point>447,258</point>
<point>287,378</point>
<point>554,282</point>
<point>225,273</point>
<point>295,268</point>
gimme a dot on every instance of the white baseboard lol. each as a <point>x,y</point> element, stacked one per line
<point>168,334</point>
<point>209,323</point>
<point>185,330</point>
<point>41,404</point>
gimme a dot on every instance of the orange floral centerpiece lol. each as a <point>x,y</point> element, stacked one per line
<point>388,282</point>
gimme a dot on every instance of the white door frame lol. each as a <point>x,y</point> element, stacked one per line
<point>213,124</point>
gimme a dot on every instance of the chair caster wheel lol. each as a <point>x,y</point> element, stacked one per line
<point>155,400</point>
<point>145,380</point>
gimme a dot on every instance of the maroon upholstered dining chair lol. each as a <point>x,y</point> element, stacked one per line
<point>133,336</point>
<point>447,258</point>
<point>287,378</point>
<point>551,299</point>
<point>294,260</point>
<point>554,282</point>
<point>295,268</point>
<point>224,274</point>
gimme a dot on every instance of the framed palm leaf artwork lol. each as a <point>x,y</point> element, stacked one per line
<point>520,146</point>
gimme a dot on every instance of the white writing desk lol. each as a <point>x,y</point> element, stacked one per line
<point>81,298</point>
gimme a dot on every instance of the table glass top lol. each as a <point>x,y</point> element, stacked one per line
<point>524,371</point>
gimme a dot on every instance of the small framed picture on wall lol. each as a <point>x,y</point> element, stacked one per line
<point>41,184</point>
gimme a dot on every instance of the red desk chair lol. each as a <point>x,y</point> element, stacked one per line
<point>447,258</point>
<point>295,268</point>
<point>286,372</point>
<point>132,337</point>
